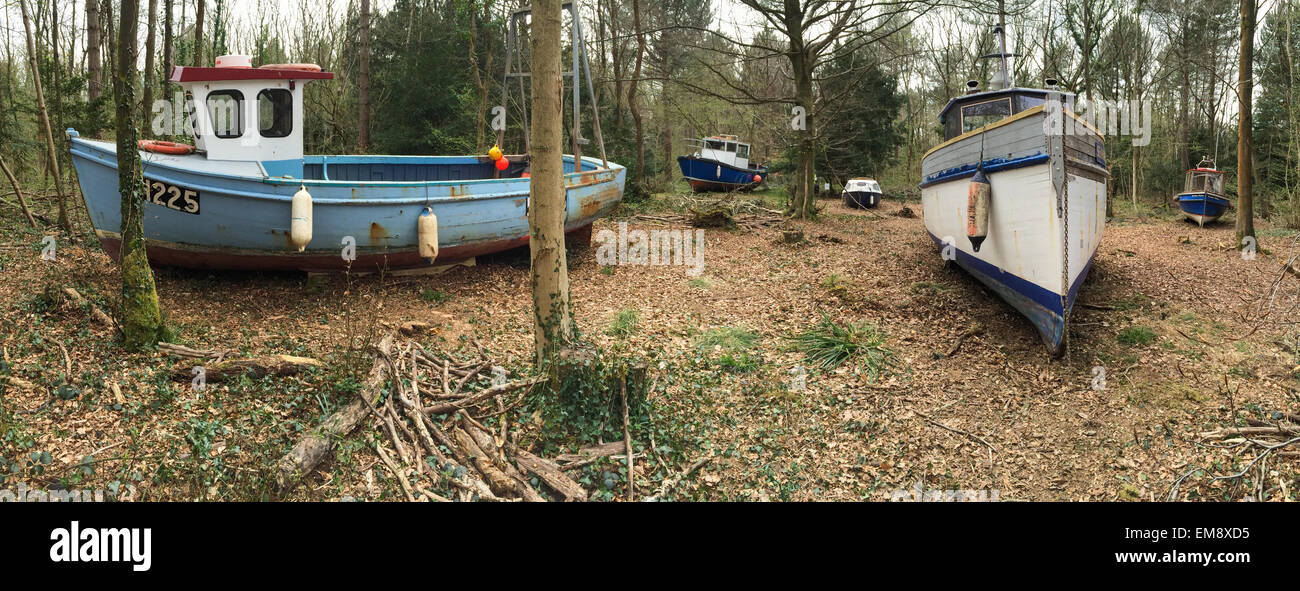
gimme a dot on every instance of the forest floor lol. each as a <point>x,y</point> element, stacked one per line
<point>1172,323</point>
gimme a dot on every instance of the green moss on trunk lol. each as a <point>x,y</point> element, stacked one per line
<point>141,319</point>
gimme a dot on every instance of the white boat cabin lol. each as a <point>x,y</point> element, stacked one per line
<point>249,114</point>
<point>862,186</point>
<point>727,149</point>
<point>1204,180</point>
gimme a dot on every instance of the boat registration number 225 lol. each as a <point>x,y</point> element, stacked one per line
<point>173,197</point>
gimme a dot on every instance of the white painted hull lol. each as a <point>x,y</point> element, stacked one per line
<point>1036,254</point>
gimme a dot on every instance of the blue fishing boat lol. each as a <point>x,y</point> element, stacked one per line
<point>1016,196</point>
<point>720,163</point>
<point>1203,199</point>
<point>244,196</point>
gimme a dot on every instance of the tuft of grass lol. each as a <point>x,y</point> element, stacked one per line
<point>1136,336</point>
<point>624,322</point>
<point>729,338</point>
<point>700,283</point>
<point>434,296</point>
<point>837,285</point>
<point>829,345</point>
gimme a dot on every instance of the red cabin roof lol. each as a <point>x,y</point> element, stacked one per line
<point>1204,170</point>
<point>198,74</point>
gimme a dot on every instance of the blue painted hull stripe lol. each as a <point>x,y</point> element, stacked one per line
<point>1040,305</point>
<point>990,165</point>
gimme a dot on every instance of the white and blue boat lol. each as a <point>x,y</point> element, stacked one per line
<point>861,192</point>
<point>1203,199</point>
<point>235,199</point>
<point>1016,196</point>
<point>720,163</point>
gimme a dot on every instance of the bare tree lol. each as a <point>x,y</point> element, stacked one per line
<point>550,271</point>
<point>45,119</point>
<point>363,79</point>
<point>813,33</point>
<point>632,90</point>
<point>94,69</point>
<point>1245,148</point>
<point>141,319</point>
<point>149,74</point>
<point>199,9</point>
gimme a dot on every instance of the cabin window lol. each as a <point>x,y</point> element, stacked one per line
<point>742,151</point>
<point>980,114</point>
<point>225,108</point>
<point>275,112</point>
<point>731,147</point>
<point>713,144</point>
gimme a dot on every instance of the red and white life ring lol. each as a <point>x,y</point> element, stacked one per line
<point>293,67</point>
<point>162,147</point>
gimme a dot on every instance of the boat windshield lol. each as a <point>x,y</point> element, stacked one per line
<point>742,151</point>
<point>713,144</point>
<point>1210,182</point>
<point>980,114</point>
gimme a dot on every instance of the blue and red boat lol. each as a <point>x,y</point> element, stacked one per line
<point>1203,199</point>
<point>245,196</point>
<point>720,163</point>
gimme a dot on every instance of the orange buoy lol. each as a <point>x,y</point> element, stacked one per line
<point>978,198</point>
<point>161,147</point>
<point>758,178</point>
<point>526,175</point>
<point>502,163</point>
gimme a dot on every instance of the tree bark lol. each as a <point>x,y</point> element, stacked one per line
<point>150,76</point>
<point>45,119</point>
<point>632,90</point>
<point>94,69</point>
<point>141,319</point>
<point>550,272</point>
<point>1245,147</point>
<point>363,79</point>
<point>199,9</point>
<point>169,56</point>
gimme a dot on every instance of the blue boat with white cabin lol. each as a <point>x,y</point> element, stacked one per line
<point>1016,196</point>
<point>720,163</point>
<point>244,196</point>
<point>1203,199</point>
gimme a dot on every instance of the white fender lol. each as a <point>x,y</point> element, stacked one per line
<point>428,234</point>
<point>300,219</point>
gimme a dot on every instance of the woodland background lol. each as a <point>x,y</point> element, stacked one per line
<point>424,74</point>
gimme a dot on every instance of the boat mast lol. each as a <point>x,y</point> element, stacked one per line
<point>1002,41</point>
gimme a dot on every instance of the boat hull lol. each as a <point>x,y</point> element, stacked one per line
<point>243,217</point>
<point>1041,242</point>
<point>1202,208</point>
<point>710,175</point>
<point>861,199</point>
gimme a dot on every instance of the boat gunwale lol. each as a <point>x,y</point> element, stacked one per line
<point>613,168</point>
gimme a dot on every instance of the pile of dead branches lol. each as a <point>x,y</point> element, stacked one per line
<point>1258,441</point>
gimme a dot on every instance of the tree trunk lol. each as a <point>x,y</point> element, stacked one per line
<point>169,56</point>
<point>363,79</point>
<point>550,271</point>
<point>94,70</point>
<point>199,9</point>
<point>616,54</point>
<point>803,204</point>
<point>45,119</point>
<point>141,319</point>
<point>18,191</point>
<point>632,89</point>
<point>1245,92</point>
<point>150,43</point>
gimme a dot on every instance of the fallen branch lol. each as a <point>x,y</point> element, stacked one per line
<point>255,367</point>
<point>313,447</point>
<point>95,312</point>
